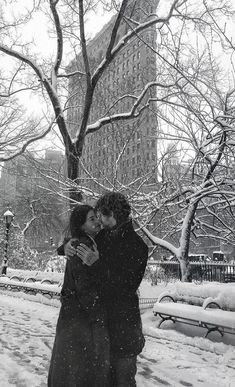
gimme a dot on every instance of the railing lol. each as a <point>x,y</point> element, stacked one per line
<point>146,303</point>
<point>49,290</point>
<point>159,271</point>
<point>31,286</point>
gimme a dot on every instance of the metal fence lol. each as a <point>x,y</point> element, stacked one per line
<point>28,287</point>
<point>159,271</point>
<point>146,303</point>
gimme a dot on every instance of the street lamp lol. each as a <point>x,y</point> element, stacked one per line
<point>8,217</point>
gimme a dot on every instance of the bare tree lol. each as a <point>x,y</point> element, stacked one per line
<point>17,131</point>
<point>49,75</point>
<point>197,115</point>
<point>193,105</point>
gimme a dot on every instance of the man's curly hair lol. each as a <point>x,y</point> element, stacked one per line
<point>116,203</point>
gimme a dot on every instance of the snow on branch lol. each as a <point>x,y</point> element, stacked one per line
<point>157,241</point>
<point>72,74</point>
<point>126,38</point>
<point>133,113</point>
<point>24,59</point>
<point>26,144</point>
<point>59,35</point>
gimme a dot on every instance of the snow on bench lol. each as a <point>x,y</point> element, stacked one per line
<point>50,290</point>
<point>32,287</point>
<point>212,319</point>
<point>221,294</point>
<point>194,308</point>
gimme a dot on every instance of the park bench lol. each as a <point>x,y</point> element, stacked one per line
<point>48,289</point>
<point>31,286</point>
<point>208,306</point>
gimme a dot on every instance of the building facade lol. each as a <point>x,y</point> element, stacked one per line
<point>28,180</point>
<point>119,153</point>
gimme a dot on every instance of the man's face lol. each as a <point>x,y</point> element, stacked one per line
<point>107,221</point>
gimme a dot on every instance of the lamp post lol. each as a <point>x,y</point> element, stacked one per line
<point>8,217</point>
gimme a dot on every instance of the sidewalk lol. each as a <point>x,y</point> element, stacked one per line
<point>27,334</point>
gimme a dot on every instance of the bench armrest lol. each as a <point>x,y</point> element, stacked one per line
<point>211,301</point>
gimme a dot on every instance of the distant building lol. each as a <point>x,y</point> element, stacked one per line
<point>126,150</point>
<point>22,181</point>
<point>17,176</point>
<point>25,173</point>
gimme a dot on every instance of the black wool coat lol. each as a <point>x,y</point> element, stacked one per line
<point>124,256</point>
<point>80,356</point>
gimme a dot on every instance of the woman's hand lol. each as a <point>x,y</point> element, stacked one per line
<point>87,255</point>
<point>69,250</point>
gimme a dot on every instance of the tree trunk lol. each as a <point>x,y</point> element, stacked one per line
<point>75,194</point>
<point>185,242</point>
<point>185,270</point>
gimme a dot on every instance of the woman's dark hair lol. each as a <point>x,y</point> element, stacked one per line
<point>78,218</point>
<point>116,203</point>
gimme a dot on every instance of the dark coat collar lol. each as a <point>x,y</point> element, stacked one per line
<point>121,229</point>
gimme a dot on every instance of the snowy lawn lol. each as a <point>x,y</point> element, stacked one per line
<point>175,356</point>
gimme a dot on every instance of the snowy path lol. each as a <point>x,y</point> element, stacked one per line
<point>27,333</point>
<point>167,363</point>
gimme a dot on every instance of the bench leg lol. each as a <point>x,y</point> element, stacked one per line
<point>165,318</point>
<point>213,329</point>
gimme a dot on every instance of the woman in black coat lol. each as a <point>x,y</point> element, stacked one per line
<point>80,356</point>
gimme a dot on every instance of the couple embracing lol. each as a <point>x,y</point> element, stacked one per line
<point>99,330</point>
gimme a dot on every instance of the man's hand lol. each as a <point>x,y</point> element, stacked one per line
<point>87,255</point>
<point>69,250</point>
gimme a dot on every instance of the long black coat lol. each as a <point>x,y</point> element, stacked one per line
<point>80,356</point>
<point>124,256</point>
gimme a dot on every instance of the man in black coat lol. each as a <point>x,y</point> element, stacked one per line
<point>124,256</point>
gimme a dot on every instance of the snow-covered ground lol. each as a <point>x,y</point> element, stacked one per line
<point>175,356</point>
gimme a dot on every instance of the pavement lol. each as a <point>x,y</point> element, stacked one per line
<point>27,335</point>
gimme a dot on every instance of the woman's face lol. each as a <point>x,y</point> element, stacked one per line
<point>92,224</point>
